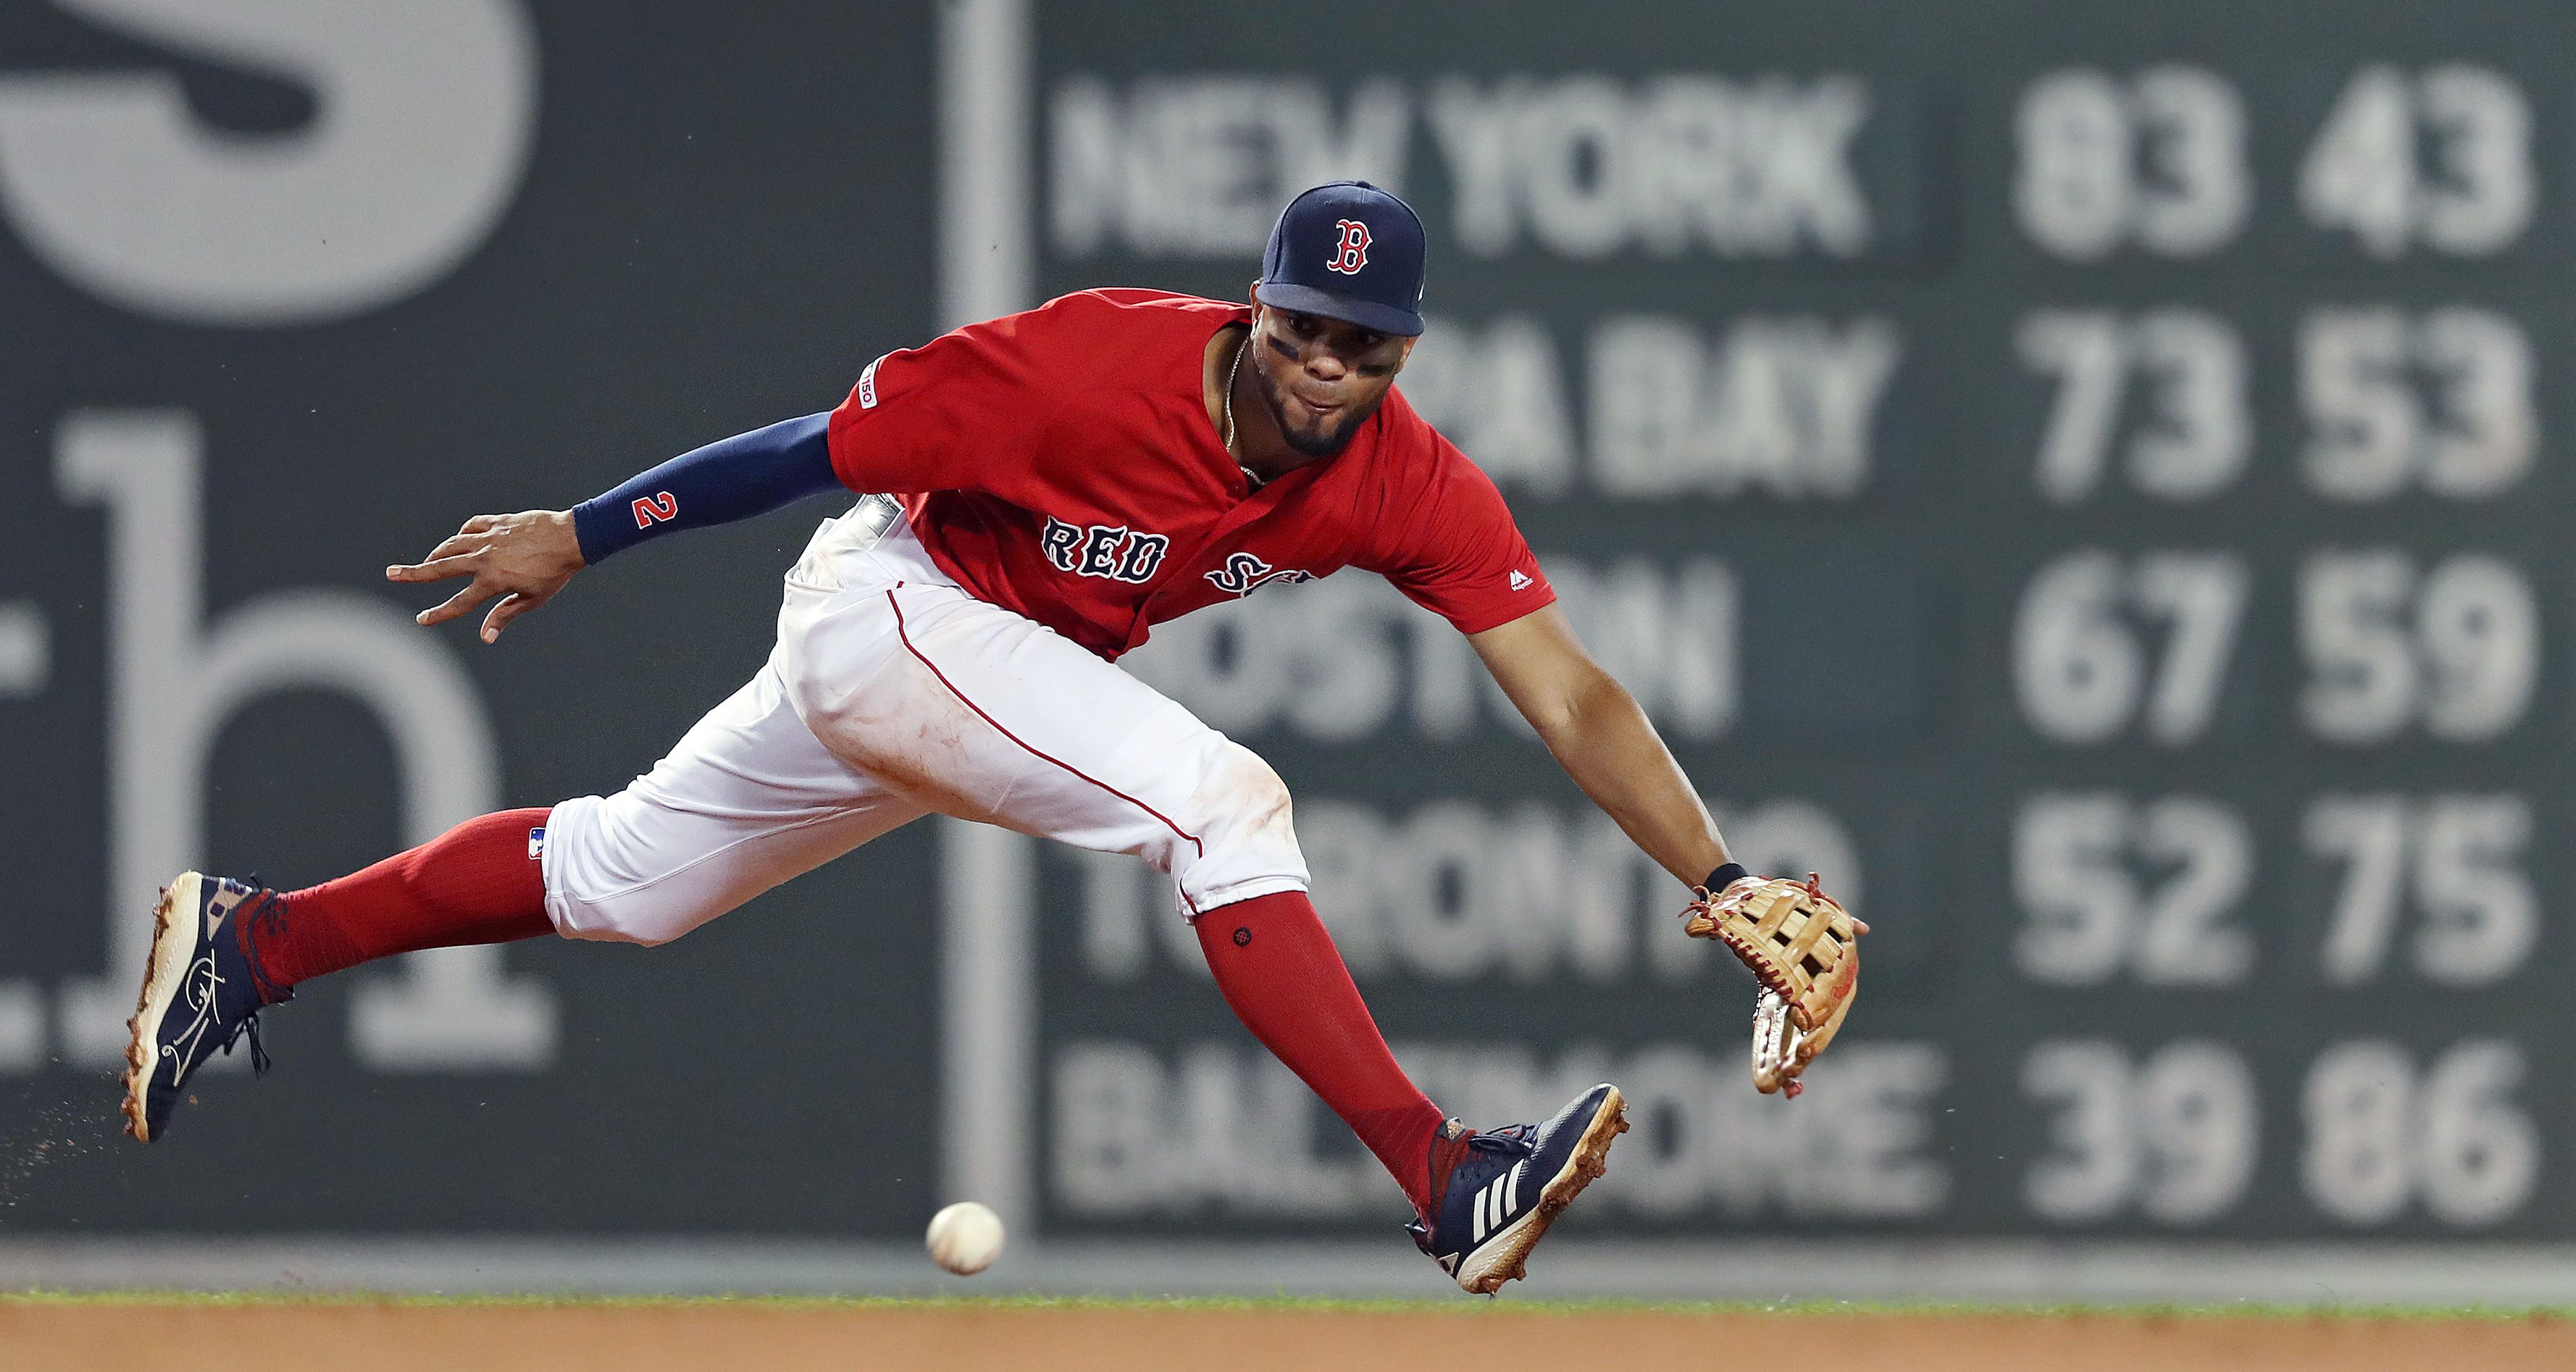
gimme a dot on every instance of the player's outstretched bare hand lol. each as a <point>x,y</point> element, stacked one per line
<point>523,558</point>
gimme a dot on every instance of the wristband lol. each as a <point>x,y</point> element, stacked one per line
<point>1724,877</point>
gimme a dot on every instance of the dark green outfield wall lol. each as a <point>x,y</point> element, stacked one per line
<point>2089,482</point>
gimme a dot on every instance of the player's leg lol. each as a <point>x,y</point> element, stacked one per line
<point>746,800</point>
<point>224,950</point>
<point>981,713</point>
<point>1482,1199</point>
<point>1281,975</point>
<point>984,714</point>
<point>480,882</point>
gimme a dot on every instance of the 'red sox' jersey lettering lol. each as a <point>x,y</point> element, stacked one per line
<point>1110,550</point>
<point>1244,573</point>
<point>1033,452</point>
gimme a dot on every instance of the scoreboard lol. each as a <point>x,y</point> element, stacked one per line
<point>2087,480</point>
<point>2086,483</point>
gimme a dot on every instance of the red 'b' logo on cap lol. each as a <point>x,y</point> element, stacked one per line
<point>1352,254</point>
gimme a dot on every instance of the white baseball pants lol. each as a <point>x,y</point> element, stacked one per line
<point>891,694</point>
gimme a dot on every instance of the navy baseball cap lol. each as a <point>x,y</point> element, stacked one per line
<point>1347,250</point>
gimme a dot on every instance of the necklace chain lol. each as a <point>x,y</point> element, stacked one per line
<point>1231,372</point>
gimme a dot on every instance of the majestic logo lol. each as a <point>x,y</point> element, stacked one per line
<point>661,505</point>
<point>1352,253</point>
<point>1243,574</point>
<point>1520,580</point>
<point>1113,552</point>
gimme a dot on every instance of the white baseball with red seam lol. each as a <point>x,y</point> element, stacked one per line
<point>965,1238</point>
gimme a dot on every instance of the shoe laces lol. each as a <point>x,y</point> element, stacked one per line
<point>265,909</point>
<point>1511,1140</point>
<point>258,1053</point>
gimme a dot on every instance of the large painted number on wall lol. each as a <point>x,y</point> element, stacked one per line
<point>425,111</point>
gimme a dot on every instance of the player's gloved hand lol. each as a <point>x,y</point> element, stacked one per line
<point>1805,950</point>
<point>523,558</point>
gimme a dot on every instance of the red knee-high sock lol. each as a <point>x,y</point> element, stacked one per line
<point>1279,970</point>
<point>476,883</point>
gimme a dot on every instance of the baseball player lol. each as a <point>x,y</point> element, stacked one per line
<point>1041,490</point>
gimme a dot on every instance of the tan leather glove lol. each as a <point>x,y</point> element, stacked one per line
<point>1805,950</point>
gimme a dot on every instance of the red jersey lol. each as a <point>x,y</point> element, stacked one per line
<point>1060,464</point>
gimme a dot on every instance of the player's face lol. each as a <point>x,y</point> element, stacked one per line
<point>1322,378</point>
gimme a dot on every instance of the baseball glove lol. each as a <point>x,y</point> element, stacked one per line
<point>1804,949</point>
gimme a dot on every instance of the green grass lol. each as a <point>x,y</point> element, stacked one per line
<point>1305,1304</point>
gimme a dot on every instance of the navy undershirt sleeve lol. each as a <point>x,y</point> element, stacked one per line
<point>748,474</point>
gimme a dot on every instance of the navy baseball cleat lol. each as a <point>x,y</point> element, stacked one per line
<point>198,995</point>
<point>1502,1189</point>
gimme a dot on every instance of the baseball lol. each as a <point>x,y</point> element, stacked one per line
<point>965,1238</point>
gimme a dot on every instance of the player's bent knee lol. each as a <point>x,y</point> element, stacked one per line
<point>617,922</point>
<point>1243,799</point>
<point>1248,835</point>
<point>650,912</point>
<point>608,881</point>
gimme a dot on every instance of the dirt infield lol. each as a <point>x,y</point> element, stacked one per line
<point>137,1337</point>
